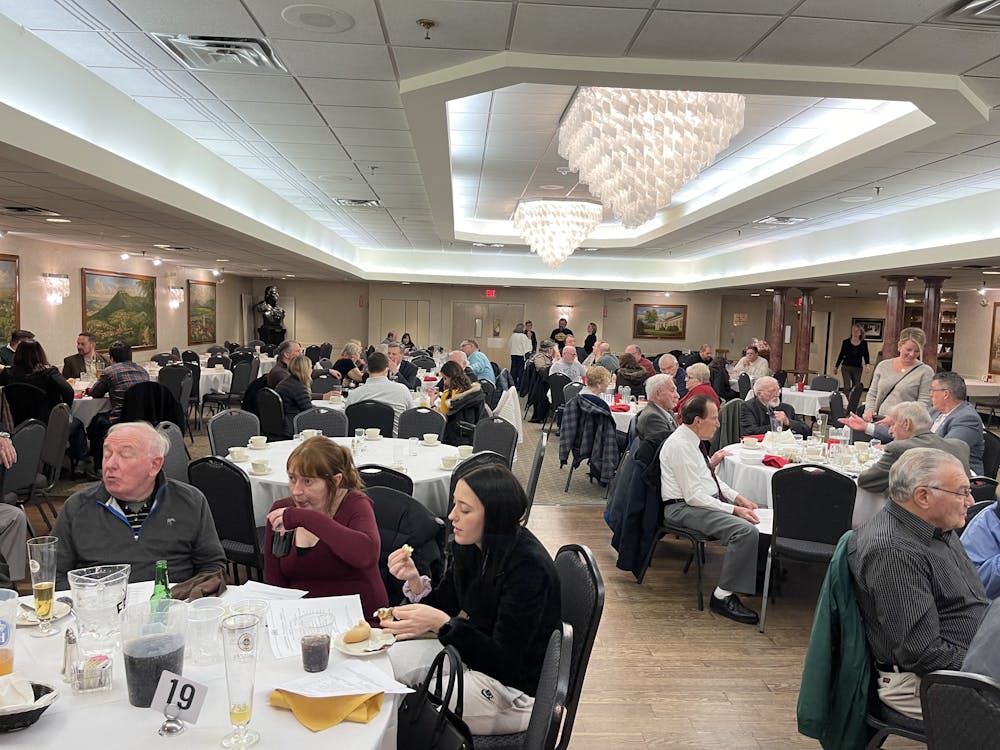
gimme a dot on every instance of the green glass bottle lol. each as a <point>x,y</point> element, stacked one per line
<point>161,583</point>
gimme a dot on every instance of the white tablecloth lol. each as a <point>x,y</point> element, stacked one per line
<point>106,721</point>
<point>624,418</point>
<point>981,389</point>
<point>266,365</point>
<point>342,404</point>
<point>754,482</point>
<point>430,481</point>
<point>86,408</point>
<point>212,381</point>
<point>808,402</point>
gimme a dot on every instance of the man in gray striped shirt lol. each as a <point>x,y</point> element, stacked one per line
<point>919,594</point>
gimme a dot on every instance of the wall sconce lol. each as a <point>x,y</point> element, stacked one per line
<point>564,311</point>
<point>175,295</point>
<point>56,287</point>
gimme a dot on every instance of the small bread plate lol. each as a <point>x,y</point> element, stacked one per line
<point>377,437</point>
<point>238,460</point>
<point>259,473</point>
<point>27,617</point>
<point>377,642</point>
<point>431,445</point>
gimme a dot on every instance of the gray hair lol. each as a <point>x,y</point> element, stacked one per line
<point>470,342</point>
<point>954,383</point>
<point>350,350</point>
<point>394,345</point>
<point>665,359</point>
<point>913,411</point>
<point>283,347</point>
<point>761,382</point>
<point>458,354</point>
<point>382,348</point>
<point>656,383</point>
<point>156,442</point>
<point>700,372</point>
<point>519,328</point>
<point>917,467</point>
<point>547,344</point>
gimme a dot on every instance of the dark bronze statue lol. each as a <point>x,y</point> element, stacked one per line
<point>272,331</point>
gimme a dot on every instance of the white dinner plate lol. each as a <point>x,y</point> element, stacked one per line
<point>378,638</point>
<point>27,619</point>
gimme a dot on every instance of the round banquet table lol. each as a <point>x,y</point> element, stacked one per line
<point>430,481</point>
<point>977,388</point>
<point>86,408</point>
<point>754,482</point>
<point>624,418</point>
<point>808,402</point>
<point>106,721</point>
<point>211,381</point>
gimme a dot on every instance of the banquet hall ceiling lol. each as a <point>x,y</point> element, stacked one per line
<point>106,128</point>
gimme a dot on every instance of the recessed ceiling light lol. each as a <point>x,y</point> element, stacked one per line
<point>827,296</point>
<point>588,249</point>
<point>405,283</point>
<point>317,18</point>
<point>124,256</point>
<point>497,244</point>
<point>910,301</point>
<point>215,271</point>
<point>857,198</point>
<point>842,283</point>
<point>754,294</point>
<point>550,187</point>
<point>768,290</point>
<point>58,221</point>
<point>883,294</point>
<point>222,260</point>
<point>290,275</point>
<point>666,294</point>
<point>479,244</point>
<point>911,279</point>
<point>991,273</point>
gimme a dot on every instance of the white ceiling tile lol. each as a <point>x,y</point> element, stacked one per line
<point>523,122</point>
<point>521,153</point>
<point>415,61</point>
<point>220,111</point>
<point>269,113</point>
<point>957,144</point>
<point>186,83</point>
<point>253,88</point>
<point>460,138</point>
<point>365,29</point>
<point>227,149</point>
<point>989,69</point>
<point>395,181</point>
<point>898,11</point>
<point>136,82</point>
<point>557,29</point>
<point>352,93</point>
<point>333,60</point>
<point>820,41</point>
<point>364,117</point>
<point>507,102</point>
<point>536,140</point>
<point>700,36</point>
<point>934,49</point>
<point>172,109</point>
<point>203,130</point>
<point>215,18</point>
<point>88,48</point>
<point>379,154</point>
<point>775,7</point>
<point>788,136</point>
<point>968,164</point>
<point>99,14</point>
<point>462,24</point>
<point>295,134</point>
<point>373,137</point>
<point>321,159</point>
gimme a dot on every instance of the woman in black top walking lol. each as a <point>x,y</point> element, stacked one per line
<point>853,356</point>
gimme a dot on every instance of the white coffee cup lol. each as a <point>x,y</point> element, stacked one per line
<point>237,453</point>
<point>464,451</point>
<point>431,438</point>
<point>311,433</point>
<point>219,368</point>
<point>449,462</point>
<point>372,433</point>
<point>749,442</point>
<point>261,466</point>
<point>258,441</point>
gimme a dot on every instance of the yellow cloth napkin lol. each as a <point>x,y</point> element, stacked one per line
<point>322,713</point>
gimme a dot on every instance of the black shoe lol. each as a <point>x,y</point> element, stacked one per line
<point>734,609</point>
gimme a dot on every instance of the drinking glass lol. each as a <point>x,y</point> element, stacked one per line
<point>316,628</point>
<point>99,596</point>
<point>240,642</point>
<point>153,640</point>
<point>875,445</point>
<point>359,439</point>
<point>42,563</point>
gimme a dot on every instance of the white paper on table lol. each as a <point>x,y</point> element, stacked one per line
<point>282,620</point>
<point>345,678</point>
<point>258,590</point>
<point>766,516</point>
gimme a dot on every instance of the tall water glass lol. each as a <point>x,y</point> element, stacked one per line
<point>99,597</point>
<point>42,564</point>
<point>240,642</point>
<point>153,641</point>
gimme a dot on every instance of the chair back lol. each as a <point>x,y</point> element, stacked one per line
<point>582,590</point>
<point>56,440</point>
<point>550,697</point>
<point>219,359</point>
<point>824,383</point>
<point>743,384</point>
<point>974,510</point>
<point>423,362</point>
<point>729,424</point>
<point>837,410</point>
<point>227,490</point>
<point>373,475</point>
<point>557,385</point>
<point>418,421</point>
<point>495,434</point>
<point>332,422</point>
<point>175,463</point>
<point>26,402</point>
<point>571,391</point>
<point>324,382</point>
<point>961,710</point>
<point>254,368</point>
<point>325,350</point>
<point>812,503</point>
<point>991,455</point>
<point>854,397</point>
<point>172,378</point>
<point>241,356</point>
<point>255,343</point>
<point>152,402</point>
<point>190,355</point>
<point>272,414</point>
<point>163,358</point>
<point>489,392</point>
<point>312,351</point>
<point>368,413</point>
<point>485,458</point>
<point>781,376</point>
<point>233,427</point>
<point>325,363</point>
<point>533,475</point>
<point>218,349</point>
<point>28,439</point>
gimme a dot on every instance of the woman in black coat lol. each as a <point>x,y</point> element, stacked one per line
<point>32,367</point>
<point>498,604</point>
<point>296,390</point>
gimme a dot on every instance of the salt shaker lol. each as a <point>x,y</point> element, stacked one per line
<point>69,655</point>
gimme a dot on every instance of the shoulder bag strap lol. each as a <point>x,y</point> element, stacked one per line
<point>893,386</point>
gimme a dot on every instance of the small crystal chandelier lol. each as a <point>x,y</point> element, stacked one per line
<point>635,148</point>
<point>555,228</point>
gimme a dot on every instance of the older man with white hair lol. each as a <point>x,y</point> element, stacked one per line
<point>669,365</point>
<point>569,365</point>
<point>766,406</point>
<point>137,515</point>
<point>656,421</point>
<point>644,363</point>
<point>910,427</point>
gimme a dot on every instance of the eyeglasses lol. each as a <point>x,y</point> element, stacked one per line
<point>964,492</point>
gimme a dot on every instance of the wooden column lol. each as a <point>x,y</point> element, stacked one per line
<point>805,332</point>
<point>776,335</point>
<point>893,315</point>
<point>932,317</point>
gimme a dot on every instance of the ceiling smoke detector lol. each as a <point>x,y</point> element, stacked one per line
<point>317,18</point>
<point>221,53</point>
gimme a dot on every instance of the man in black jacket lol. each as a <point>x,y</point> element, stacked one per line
<point>400,370</point>
<point>755,418</point>
<point>703,355</point>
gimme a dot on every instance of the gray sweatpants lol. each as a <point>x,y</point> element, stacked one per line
<point>13,536</point>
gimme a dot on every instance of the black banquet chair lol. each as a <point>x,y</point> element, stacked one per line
<point>332,422</point>
<point>961,710</point>
<point>233,427</point>
<point>26,402</point>
<point>373,475</point>
<point>365,414</point>
<point>495,434</point>
<point>419,421</point>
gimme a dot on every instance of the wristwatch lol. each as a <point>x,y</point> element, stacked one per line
<point>5,435</point>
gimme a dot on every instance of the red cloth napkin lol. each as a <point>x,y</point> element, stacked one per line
<point>78,395</point>
<point>759,438</point>
<point>620,407</point>
<point>775,462</point>
<point>430,379</point>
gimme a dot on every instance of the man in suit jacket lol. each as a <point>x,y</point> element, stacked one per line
<point>954,417</point>
<point>910,426</point>
<point>400,370</point>
<point>755,418</point>
<point>656,421</point>
<point>86,359</point>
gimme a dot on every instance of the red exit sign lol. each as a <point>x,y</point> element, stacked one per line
<point>491,293</point>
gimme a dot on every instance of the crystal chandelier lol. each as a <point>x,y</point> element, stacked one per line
<point>636,147</point>
<point>555,228</point>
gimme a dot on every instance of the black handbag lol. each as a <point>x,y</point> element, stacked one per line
<point>424,720</point>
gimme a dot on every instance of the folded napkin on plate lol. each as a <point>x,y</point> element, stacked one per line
<point>318,714</point>
<point>775,462</point>
<point>621,407</point>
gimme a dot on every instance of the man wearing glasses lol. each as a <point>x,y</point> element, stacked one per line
<point>920,597</point>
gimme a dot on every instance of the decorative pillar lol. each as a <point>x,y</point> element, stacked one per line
<point>932,317</point>
<point>893,315</point>
<point>776,334</point>
<point>805,333</point>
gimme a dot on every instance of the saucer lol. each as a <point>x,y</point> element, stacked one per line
<point>376,643</point>
<point>373,438</point>
<point>255,448</point>
<point>430,445</point>
<point>238,460</point>
<point>259,473</point>
<point>26,618</point>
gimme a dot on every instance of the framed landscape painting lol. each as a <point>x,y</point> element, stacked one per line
<point>995,341</point>
<point>201,312</point>
<point>119,307</point>
<point>659,321</point>
<point>10,300</point>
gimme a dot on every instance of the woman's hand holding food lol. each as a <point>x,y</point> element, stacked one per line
<point>413,620</point>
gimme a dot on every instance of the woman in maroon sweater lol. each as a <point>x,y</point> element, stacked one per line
<point>324,538</point>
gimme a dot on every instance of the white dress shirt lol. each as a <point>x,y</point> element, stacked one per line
<point>684,473</point>
<point>382,389</point>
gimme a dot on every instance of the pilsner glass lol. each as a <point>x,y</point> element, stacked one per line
<point>42,564</point>
<point>240,639</point>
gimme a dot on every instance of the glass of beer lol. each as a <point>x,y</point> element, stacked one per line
<point>42,564</point>
<point>240,642</point>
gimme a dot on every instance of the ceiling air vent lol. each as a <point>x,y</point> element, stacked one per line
<point>26,211</point>
<point>221,53</point>
<point>975,13</point>
<point>782,221</point>
<point>357,202</point>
